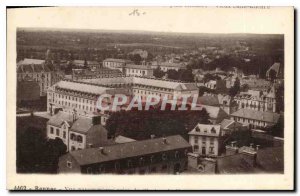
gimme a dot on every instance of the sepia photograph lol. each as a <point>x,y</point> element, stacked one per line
<point>155,92</point>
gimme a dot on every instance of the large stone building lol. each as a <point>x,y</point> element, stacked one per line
<point>148,86</point>
<point>41,71</point>
<point>158,155</point>
<point>77,96</point>
<point>77,132</point>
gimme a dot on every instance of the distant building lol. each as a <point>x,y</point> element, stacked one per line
<point>138,70</point>
<point>257,100</point>
<point>45,73</point>
<point>159,155</point>
<point>166,66</point>
<point>206,139</point>
<point>76,132</point>
<point>255,83</point>
<point>119,64</point>
<point>218,85</point>
<point>254,118</point>
<point>78,74</point>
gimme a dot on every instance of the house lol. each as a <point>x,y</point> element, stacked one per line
<point>205,139</point>
<point>158,155</point>
<point>86,133</point>
<point>254,118</point>
<point>76,132</point>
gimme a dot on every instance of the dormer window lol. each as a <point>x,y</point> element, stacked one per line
<point>164,156</point>
<point>197,129</point>
<point>142,161</point>
<point>69,164</point>
<point>213,130</point>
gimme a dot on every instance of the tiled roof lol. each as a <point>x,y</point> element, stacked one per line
<point>271,159</point>
<point>81,87</point>
<point>133,66</point>
<point>127,150</point>
<point>275,67</point>
<point>82,125</point>
<point>233,164</point>
<point>32,65</point>
<point>31,61</point>
<point>144,81</point>
<point>58,119</point>
<point>121,139</point>
<point>206,130</point>
<point>208,100</point>
<point>257,115</point>
<point>118,60</point>
<point>216,112</point>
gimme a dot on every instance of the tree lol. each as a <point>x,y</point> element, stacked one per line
<point>142,124</point>
<point>173,74</point>
<point>235,89</point>
<point>272,75</point>
<point>136,58</point>
<point>158,73</point>
<point>186,75</point>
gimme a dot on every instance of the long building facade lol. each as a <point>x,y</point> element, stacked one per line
<point>158,155</point>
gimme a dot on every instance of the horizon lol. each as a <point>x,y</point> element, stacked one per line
<point>92,30</point>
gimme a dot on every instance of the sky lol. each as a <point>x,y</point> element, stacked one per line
<point>161,19</point>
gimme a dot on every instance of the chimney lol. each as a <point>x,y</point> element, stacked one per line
<point>231,149</point>
<point>257,147</point>
<point>152,136</point>
<point>165,140</point>
<point>249,155</point>
<point>251,145</point>
<point>101,149</point>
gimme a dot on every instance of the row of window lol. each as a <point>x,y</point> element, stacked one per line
<point>57,132</point>
<point>203,149</point>
<point>78,106</point>
<point>77,99</point>
<point>244,120</point>
<point>77,138</point>
<point>211,140</point>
